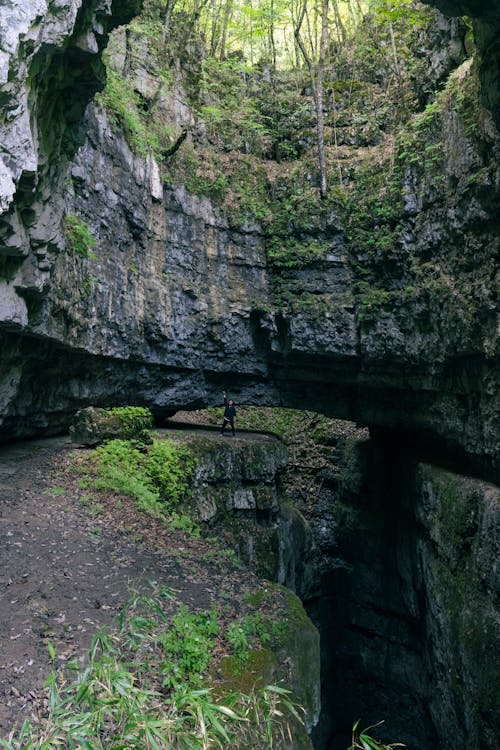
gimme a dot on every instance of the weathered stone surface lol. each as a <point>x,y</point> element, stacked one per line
<point>92,426</point>
<point>294,661</point>
<point>237,494</point>
<point>49,69</point>
<point>177,302</point>
<point>13,308</point>
<point>233,474</point>
<point>456,572</point>
<point>486,17</point>
<point>402,580</point>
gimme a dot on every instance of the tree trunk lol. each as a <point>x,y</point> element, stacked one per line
<point>317,73</point>
<point>227,15</point>
<point>319,99</point>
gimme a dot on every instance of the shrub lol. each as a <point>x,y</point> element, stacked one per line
<point>79,237</point>
<point>115,699</point>
<point>158,476</point>
<point>169,467</point>
<point>188,646</point>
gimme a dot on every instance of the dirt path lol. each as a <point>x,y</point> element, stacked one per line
<point>65,572</point>
<point>190,429</point>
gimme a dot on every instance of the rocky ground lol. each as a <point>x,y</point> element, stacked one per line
<point>68,562</point>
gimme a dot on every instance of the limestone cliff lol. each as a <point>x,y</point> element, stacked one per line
<point>394,326</point>
<point>402,582</point>
<point>178,301</point>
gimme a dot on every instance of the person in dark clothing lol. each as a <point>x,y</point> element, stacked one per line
<point>229,414</point>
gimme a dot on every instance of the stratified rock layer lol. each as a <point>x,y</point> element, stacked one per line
<point>402,581</point>
<point>177,302</point>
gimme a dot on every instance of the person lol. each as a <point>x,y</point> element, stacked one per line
<point>229,414</point>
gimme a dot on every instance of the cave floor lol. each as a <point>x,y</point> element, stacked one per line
<point>67,566</point>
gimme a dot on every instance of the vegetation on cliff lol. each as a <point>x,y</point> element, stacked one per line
<point>145,686</point>
<point>157,473</point>
<point>252,142</point>
<point>225,100</point>
<point>226,662</point>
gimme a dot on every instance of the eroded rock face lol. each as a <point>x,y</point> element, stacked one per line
<point>175,305</point>
<point>177,301</point>
<point>237,494</point>
<point>402,581</point>
<point>50,67</point>
<point>486,17</point>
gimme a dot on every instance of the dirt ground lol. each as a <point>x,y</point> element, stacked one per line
<point>67,566</point>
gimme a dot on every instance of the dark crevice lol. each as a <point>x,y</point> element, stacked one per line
<point>372,608</point>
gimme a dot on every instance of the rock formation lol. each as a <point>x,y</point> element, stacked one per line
<point>176,303</point>
<point>402,582</point>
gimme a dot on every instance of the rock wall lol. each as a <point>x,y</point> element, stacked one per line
<point>396,562</point>
<point>238,497</point>
<point>50,67</point>
<point>237,493</point>
<point>177,302</point>
<point>486,17</point>
<point>402,581</point>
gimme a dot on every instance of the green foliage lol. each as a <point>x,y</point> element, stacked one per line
<point>254,630</point>
<point>199,172</point>
<point>420,145</point>
<point>371,298</point>
<point>187,647</point>
<point>57,490</point>
<point>288,252</point>
<point>404,65</point>
<point>254,141</point>
<point>120,469</point>
<point>115,699</point>
<point>465,92</point>
<point>125,109</point>
<point>184,522</point>
<point>247,182</point>
<point>230,111</point>
<point>79,237</point>
<point>158,476</point>
<point>134,420</point>
<point>288,115</point>
<point>169,467</point>
<point>361,740</point>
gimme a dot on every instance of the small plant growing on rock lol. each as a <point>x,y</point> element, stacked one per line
<point>361,740</point>
<point>79,237</point>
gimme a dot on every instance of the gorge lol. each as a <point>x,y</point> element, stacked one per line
<point>157,292</point>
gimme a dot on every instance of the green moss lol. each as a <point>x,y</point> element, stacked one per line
<point>255,598</point>
<point>133,419</point>
<point>452,513</point>
<point>259,671</point>
<point>291,656</point>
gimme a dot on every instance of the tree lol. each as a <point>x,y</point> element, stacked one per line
<point>317,73</point>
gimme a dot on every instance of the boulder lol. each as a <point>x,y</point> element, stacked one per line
<point>93,426</point>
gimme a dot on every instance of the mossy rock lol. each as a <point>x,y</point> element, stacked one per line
<point>290,659</point>
<point>92,426</point>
